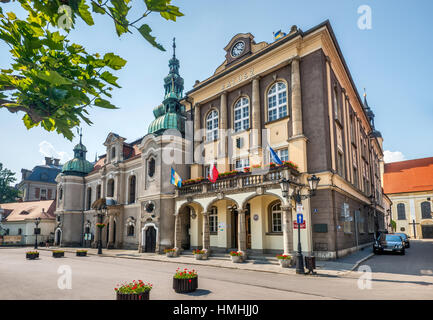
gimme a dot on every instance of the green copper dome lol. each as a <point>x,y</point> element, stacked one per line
<point>78,166</point>
<point>165,122</point>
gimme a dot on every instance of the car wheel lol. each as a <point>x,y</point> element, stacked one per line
<point>403,252</point>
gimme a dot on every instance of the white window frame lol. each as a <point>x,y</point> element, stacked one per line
<point>213,220</point>
<point>241,114</point>
<point>276,227</point>
<point>280,154</point>
<point>277,101</point>
<point>212,123</point>
<point>242,163</point>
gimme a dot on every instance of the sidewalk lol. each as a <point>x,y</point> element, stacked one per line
<point>324,268</point>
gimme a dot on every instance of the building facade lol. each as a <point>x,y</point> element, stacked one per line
<point>133,178</point>
<point>295,95</point>
<point>39,183</point>
<point>18,224</point>
<point>409,184</point>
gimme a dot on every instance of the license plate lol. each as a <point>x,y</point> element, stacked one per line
<point>387,249</point>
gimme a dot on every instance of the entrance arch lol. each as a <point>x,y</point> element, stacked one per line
<point>58,237</point>
<point>149,236</point>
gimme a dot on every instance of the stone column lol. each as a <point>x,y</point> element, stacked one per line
<point>206,231</point>
<point>111,233</point>
<point>140,235</point>
<point>287,228</point>
<point>256,116</point>
<point>296,98</point>
<point>177,233</point>
<point>242,232</point>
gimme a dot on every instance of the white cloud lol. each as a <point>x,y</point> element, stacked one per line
<point>47,150</point>
<point>393,156</point>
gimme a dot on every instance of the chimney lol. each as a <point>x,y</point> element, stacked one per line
<point>56,162</point>
<point>48,161</point>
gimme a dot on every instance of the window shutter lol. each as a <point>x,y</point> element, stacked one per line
<point>37,192</point>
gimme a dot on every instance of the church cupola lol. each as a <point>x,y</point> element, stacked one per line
<point>78,166</point>
<point>169,115</point>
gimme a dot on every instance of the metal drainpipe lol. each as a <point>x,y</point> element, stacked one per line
<point>334,215</point>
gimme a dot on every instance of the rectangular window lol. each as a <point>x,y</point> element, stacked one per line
<point>283,154</point>
<point>50,194</point>
<point>355,176</point>
<point>206,171</point>
<point>361,223</point>
<point>340,163</point>
<point>43,194</point>
<point>276,222</point>
<point>37,193</point>
<point>213,220</point>
<point>241,164</point>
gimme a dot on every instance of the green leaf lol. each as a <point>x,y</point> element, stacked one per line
<point>28,122</point>
<point>104,104</point>
<point>53,77</point>
<point>109,78</point>
<point>145,31</point>
<point>114,61</point>
<point>83,9</point>
<point>11,15</point>
<point>97,9</point>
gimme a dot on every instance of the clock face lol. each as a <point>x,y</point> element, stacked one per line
<point>238,48</point>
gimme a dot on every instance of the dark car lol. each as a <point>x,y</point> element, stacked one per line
<point>389,243</point>
<point>405,238</point>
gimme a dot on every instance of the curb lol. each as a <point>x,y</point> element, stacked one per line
<point>361,261</point>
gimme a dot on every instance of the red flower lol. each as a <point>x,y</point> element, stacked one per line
<point>189,280</point>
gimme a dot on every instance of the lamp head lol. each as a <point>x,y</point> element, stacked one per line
<point>313,182</point>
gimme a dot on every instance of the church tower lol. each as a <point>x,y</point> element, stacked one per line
<point>71,198</point>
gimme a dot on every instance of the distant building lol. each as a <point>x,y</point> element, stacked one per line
<point>18,222</point>
<point>39,183</point>
<point>409,184</point>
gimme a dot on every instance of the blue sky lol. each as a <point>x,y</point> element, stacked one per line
<point>392,61</point>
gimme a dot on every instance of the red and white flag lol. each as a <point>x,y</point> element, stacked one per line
<point>213,174</point>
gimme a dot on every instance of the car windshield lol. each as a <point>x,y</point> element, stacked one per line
<point>390,237</point>
<point>402,235</point>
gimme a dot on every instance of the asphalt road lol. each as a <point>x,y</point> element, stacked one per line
<point>95,277</point>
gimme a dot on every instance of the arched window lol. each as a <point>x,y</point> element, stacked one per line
<point>20,231</point>
<point>89,198</point>
<point>401,213</point>
<point>426,210</point>
<point>130,230</point>
<point>132,183</point>
<point>212,126</point>
<point>213,220</point>
<point>151,167</point>
<point>110,188</point>
<point>335,103</point>
<point>275,217</point>
<point>277,101</point>
<point>242,115</point>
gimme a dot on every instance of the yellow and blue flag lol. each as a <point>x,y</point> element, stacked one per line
<point>278,35</point>
<point>175,178</point>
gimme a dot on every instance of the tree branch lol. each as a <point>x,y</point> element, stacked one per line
<point>32,113</point>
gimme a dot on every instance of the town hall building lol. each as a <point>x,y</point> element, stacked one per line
<point>294,95</point>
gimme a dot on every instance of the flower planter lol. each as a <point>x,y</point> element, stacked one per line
<point>133,296</point>
<point>200,256</point>
<point>237,259</point>
<point>32,256</point>
<point>81,253</point>
<point>185,285</point>
<point>286,263</point>
<point>170,254</point>
<point>58,254</point>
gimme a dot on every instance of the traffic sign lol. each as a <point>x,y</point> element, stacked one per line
<point>295,225</point>
<point>299,208</point>
<point>299,218</point>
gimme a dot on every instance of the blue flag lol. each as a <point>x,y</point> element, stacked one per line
<point>175,178</point>
<point>274,156</point>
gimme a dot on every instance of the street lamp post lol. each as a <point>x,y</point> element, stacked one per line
<point>36,231</point>
<point>313,182</point>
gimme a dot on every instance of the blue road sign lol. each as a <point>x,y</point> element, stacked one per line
<point>299,218</point>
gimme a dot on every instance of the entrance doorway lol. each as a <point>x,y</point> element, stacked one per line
<point>185,220</point>
<point>235,221</point>
<point>427,232</point>
<point>150,235</point>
